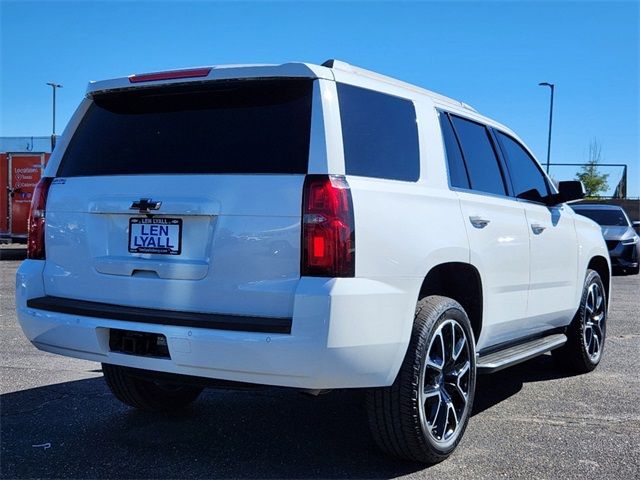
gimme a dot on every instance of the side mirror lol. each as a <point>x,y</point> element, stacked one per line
<point>636,227</point>
<point>570,190</point>
<point>533,195</point>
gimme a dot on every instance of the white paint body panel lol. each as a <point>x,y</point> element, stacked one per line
<point>500,252</point>
<point>242,256</point>
<point>554,265</point>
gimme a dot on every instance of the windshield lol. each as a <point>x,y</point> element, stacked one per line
<point>235,127</point>
<point>605,217</point>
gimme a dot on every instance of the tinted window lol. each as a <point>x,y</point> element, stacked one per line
<point>606,217</point>
<point>380,134</point>
<point>523,169</point>
<point>457,171</point>
<point>222,127</point>
<point>482,164</point>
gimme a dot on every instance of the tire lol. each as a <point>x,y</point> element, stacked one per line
<point>405,418</point>
<point>587,331</point>
<point>147,395</point>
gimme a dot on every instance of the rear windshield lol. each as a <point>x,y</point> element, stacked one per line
<point>605,217</point>
<point>250,126</point>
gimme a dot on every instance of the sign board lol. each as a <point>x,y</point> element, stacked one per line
<point>19,174</point>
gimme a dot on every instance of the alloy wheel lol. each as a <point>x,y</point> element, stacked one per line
<point>594,321</point>
<point>445,382</point>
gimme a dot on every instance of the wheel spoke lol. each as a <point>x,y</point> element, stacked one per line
<point>436,344</point>
<point>459,345</point>
<point>431,391</point>
<point>597,325</point>
<point>599,300</point>
<point>434,419</point>
<point>596,345</point>
<point>459,376</point>
<point>451,418</point>
<point>588,335</point>
<point>434,365</point>
<point>452,353</point>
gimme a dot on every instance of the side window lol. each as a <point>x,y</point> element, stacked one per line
<point>380,134</point>
<point>457,171</point>
<point>480,157</point>
<point>523,169</point>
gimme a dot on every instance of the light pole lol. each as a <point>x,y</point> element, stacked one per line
<point>54,86</point>
<point>552,87</point>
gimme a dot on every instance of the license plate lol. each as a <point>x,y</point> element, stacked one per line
<point>155,235</point>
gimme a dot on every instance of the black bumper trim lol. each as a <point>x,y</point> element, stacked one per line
<point>213,321</point>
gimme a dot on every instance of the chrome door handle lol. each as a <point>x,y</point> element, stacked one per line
<point>537,229</point>
<point>478,222</point>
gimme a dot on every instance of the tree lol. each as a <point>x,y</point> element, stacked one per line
<point>594,181</point>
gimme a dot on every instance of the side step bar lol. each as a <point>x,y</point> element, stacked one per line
<point>494,361</point>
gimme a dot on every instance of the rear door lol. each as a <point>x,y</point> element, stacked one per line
<point>184,197</point>
<point>552,234</point>
<point>496,226</point>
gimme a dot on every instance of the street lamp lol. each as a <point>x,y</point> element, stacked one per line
<point>54,86</point>
<point>552,87</point>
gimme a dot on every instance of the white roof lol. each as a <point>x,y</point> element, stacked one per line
<point>344,66</point>
<point>294,69</point>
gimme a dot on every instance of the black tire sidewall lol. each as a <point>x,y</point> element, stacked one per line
<point>447,309</point>
<point>578,326</point>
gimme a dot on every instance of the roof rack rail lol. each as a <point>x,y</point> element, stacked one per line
<point>346,67</point>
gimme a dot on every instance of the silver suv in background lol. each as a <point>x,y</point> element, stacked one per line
<point>622,239</point>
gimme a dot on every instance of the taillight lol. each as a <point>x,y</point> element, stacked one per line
<point>328,233</point>
<point>35,244</point>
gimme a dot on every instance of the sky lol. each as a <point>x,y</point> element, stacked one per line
<point>491,55</point>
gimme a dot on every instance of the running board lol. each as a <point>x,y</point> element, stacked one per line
<point>494,361</point>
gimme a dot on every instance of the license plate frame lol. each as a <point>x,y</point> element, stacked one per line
<point>165,247</point>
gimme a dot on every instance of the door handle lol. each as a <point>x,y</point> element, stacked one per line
<point>537,229</point>
<point>478,222</point>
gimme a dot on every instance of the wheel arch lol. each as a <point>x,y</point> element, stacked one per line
<point>601,265</point>
<point>461,282</point>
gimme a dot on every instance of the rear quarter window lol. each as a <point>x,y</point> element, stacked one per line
<point>379,133</point>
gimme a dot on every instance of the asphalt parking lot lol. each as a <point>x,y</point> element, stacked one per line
<point>58,420</point>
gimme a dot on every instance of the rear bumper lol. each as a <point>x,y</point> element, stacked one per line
<point>345,333</point>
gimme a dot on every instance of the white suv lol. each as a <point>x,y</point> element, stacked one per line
<point>306,226</point>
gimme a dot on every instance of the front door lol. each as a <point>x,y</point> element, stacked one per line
<point>554,247</point>
<point>554,263</point>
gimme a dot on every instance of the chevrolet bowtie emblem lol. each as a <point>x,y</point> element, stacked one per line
<point>144,205</point>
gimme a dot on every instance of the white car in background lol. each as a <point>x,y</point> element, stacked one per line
<point>316,227</point>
